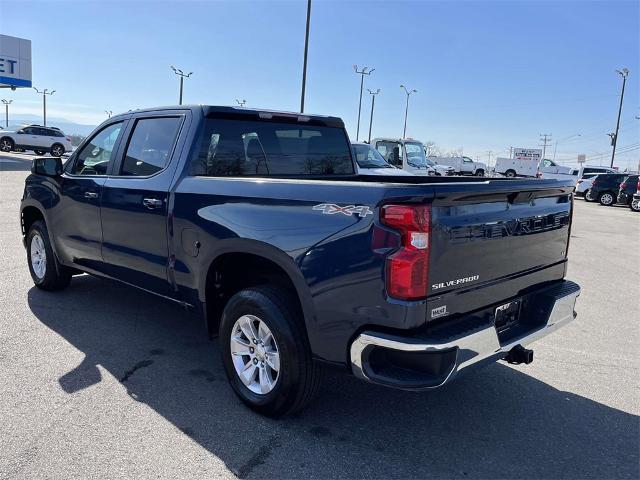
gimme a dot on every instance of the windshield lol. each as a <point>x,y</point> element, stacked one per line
<point>415,155</point>
<point>369,157</point>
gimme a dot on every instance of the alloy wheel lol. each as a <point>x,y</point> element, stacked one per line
<point>606,198</point>
<point>255,354</point>
<point>38,256</point>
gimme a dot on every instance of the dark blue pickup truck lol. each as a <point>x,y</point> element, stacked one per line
<point>257,221</point>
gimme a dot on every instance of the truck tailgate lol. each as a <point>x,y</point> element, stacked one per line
<point>484,238</point>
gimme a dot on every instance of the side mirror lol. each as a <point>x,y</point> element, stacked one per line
<point>48,166</point>
<point>20,132</point>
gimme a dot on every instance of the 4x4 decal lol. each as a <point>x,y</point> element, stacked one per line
<point>332,208</point>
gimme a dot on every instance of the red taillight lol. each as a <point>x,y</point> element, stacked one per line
<point>638,186</point>
<point>407,270</point>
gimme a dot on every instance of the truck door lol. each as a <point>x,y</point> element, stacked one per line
<point>467,165</point>
<point>134,202</point>
<point>76,221</point>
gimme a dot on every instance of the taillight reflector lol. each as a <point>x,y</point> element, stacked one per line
<point>407,269</point>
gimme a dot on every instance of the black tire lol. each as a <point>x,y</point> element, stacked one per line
<point>480,173</point>
<point>57,150</point>
<point>587,196</point>
<point>635,205</point>
<point>56,276</point>
<point>607,199</point>
<point>298,375</point>
<point>40,152</point>
<point>6,144</point>
<point>510,173</point>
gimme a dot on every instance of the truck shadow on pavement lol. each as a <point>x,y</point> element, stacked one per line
<point>496,423</point>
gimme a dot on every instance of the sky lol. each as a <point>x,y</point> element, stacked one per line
<point>488,75</point>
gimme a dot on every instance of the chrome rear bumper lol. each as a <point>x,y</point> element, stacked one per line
<point>445,357</point>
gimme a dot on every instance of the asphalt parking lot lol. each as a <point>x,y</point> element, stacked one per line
<point>101,381</point>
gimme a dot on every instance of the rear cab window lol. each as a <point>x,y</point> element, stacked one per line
<point>267,148</point>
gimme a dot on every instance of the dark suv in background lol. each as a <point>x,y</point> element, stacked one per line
<point>628,187</point>
<point>605,188</point>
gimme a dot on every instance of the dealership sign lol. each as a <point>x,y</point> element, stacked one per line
<point>527,154</point>
<point>15,62</point>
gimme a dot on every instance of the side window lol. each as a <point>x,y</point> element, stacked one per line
<point>95,156</point>
<point>391,153</point>
<point>45,132</point>
<point>150,146</point>
<point>29,131</point>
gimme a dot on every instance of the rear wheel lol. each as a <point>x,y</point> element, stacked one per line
<point>606,198</point>
<point>39,152</point>
<point>479,173</point>
<point>510,173</point>
<point>588,197</point>
<point>265,351</point>
<point>57,150</point>
<point>6,145</point>
<point>46,271</point>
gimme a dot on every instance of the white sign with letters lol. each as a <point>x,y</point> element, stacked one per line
<point>534,154</point>
<point>15,62</point>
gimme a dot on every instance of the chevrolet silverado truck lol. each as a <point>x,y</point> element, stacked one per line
<point>257,222</point>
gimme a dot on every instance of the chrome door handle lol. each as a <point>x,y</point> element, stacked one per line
<point>152,203</point>
<point>90,195</point>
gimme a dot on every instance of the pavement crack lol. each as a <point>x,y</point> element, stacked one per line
<point>136,367</point>
<point>258,458</point>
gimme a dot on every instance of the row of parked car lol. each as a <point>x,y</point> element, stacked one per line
<point>610,188</point>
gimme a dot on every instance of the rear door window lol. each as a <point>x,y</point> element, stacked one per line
<point>150,146</point>
<point>263,148</point>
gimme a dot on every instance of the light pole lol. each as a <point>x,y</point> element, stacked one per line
<point>306,52</point>
<point>109,113</point>
<point>44,93</point>
<point>362,73</point>
<point>406,110</point>
<point>373,104</point>
<point>614,140</point>
<point>555,149</point>
<point>241,102</point>
<point>182,76</point>
<point>6,111</point>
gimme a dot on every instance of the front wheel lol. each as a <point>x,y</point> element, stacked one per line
<point>265,351</point>
<point>46,271</point>
<point>479,173</point>
<point>635,205</point>
<point>606,199</point>
<point>510,173</point>
<point>6,145</point>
